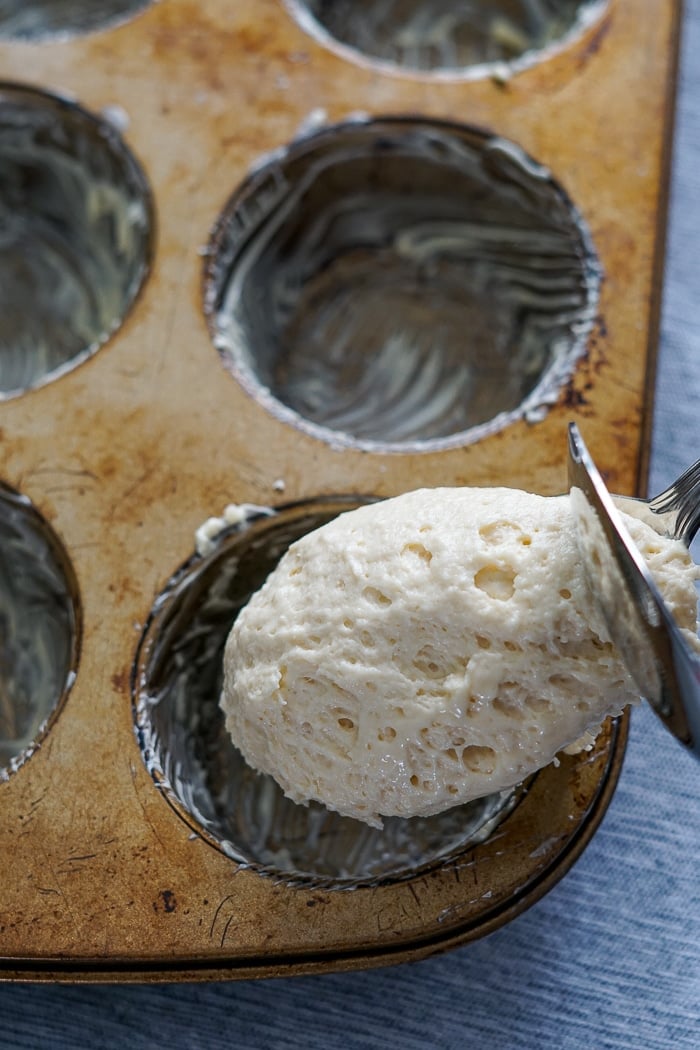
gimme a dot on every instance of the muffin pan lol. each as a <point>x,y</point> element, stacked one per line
<point>247,266</point>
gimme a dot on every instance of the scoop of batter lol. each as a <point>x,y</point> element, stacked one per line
<point>420,652</point>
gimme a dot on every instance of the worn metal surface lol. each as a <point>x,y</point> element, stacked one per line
<point>127,454</point>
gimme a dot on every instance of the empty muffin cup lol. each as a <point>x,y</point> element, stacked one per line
<point>75,235</point>
<point>447,36</point>
<point>39,628</point>
<point>177,682</point>
<point>401,285</point>
<point>50,19</point>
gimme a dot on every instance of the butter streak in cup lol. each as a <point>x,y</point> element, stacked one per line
<point>447,38</point>
<point>180,727</point>
<point>401,284</point>
<point>40,627</point>
<point>44,20</point>
<point>76,224</point>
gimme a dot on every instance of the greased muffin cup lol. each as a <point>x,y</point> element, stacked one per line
<point>246,264</point>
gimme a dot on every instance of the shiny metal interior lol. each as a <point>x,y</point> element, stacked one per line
<point>51,19</point>
<point>39,628</point>
<point>400,284</point>
<point>446,35</point>
<point>177,683</point>
<point>76,225</point>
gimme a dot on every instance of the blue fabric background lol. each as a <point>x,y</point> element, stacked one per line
<point>609,959</point>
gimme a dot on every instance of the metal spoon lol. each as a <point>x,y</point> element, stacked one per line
<point>664,668</point>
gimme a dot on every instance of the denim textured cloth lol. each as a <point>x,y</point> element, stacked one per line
<point>609,960</point>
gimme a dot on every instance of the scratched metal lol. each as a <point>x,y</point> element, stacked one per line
<point>39,628</point>
<point>447,35</point>
<point>75,235</point>
<point>187,749</point>
<point>42,19</point>
<point>401,285</point>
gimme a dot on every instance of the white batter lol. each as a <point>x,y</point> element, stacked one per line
<point>429,649</point>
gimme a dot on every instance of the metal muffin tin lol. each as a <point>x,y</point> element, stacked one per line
<point>158,161</point>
